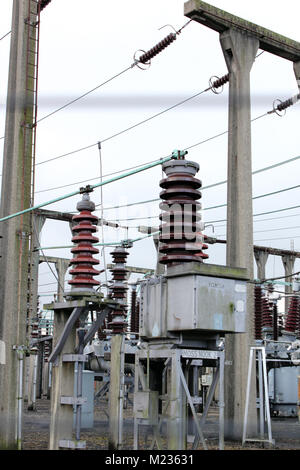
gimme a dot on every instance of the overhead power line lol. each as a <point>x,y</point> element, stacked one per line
<point>133,126</point>
<point>175,155</point>
<point>261,213</point>
<point>218,206</point>
<point>5,35</point>
<point>270,167</point>
<point>143,59</point>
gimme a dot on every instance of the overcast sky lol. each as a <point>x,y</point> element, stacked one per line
<point>82,44</point>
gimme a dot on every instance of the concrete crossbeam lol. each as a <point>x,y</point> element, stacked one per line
<point>220,21</point>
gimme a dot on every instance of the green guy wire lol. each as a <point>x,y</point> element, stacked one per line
<point>100,244</point>
<point>90,188</point>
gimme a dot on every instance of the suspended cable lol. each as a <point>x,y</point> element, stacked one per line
<point>90,188</point>
<point>218,206</point>
<point>144,59</point>
<point>103,244</point>
<point>127,128</point>
<point>41,249</point>
<point>269,230</point>
<point>5,35</point>
<point>101,203</point>
<point>210,186</point>
<point>256,215</point>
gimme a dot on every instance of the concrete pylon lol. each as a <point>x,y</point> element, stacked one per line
<point>61,266</point>
<point>261,258</point>
<point>38,223</point>
<point>239,51</point>
<point>288,262</point>
<point>15,196</point>
<point>297,73</point>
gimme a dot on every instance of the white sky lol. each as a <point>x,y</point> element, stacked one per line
<point>83,44</point>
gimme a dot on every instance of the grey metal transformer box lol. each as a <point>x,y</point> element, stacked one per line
<point>194,297</point>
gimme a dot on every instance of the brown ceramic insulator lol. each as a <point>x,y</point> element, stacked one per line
<point>132,310</point>
<point>258,312</point>
<point>292,320</point>
<point>267,320</point>
<point>119,288</point>
<point>137,316</point>
<point>180,237</point>
<point>83,261</point>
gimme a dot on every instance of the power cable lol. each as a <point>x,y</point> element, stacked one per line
<point>269,230</point>
<point>209,186</point>
<point>5,35</point>
<point>101,203</point>
<point>144,59</point>
<point>41,249</point>
<point>261,213</point>
<point>218,206</point>
<point>133,126</point>
<point>175,155</point>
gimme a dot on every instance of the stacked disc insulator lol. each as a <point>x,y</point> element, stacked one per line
<point>134,314</point>
<point>180,237</point>
<point>267,317</point>
<point>119,290</point>
<point>83,261</point>
<point>133,309</point>
<point>258,311</point>
<point>292,321</point>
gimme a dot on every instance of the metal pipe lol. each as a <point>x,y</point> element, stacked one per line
<point>34,382</point>
<point>20,354</point>
<point>78,407</point>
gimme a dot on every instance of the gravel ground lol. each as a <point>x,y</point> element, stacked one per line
<point>285,431</point>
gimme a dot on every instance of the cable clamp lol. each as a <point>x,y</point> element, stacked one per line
<point>87,189</point>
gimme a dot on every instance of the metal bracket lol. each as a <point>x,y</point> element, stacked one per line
<point>74,358</point>
<point>72,400</point>
<point>68,444</point>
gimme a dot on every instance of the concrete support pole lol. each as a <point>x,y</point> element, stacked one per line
<point>61,266</point>
<point>239,51</point>
<point>15,196</point>
<point>62,415</point>
<point>297,73</point>
<point>38,223</point>
<point>176,421</point>
<point>116,392</point>
<point>288,262</point>
<point>32,382</point>
<point>261,258</point>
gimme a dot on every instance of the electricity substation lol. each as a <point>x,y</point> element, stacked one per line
<point>184,339</point>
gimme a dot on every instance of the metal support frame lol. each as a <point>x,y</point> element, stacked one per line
<point>65,356</point>
<point>173,407</point>
<point>263,397</point>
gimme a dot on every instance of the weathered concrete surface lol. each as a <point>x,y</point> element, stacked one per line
<point>239,52</point>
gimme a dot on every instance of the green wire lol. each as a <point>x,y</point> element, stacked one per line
<point>90,188</point>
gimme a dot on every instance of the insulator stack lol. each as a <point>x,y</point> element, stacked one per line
<point>147,56</point>
<point>119,290</point>
<point>258,312</point>
<point>43,4</point>
<point>47,351</point>
<point>180,236</point>
<point>133,310</point>
<point>292,321</point>
<point>101,332</point>
<point>267,317</point>
<point>287,103</point>
<point>220,81</point>
<point>137,316</point>
<point>83,261</point>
